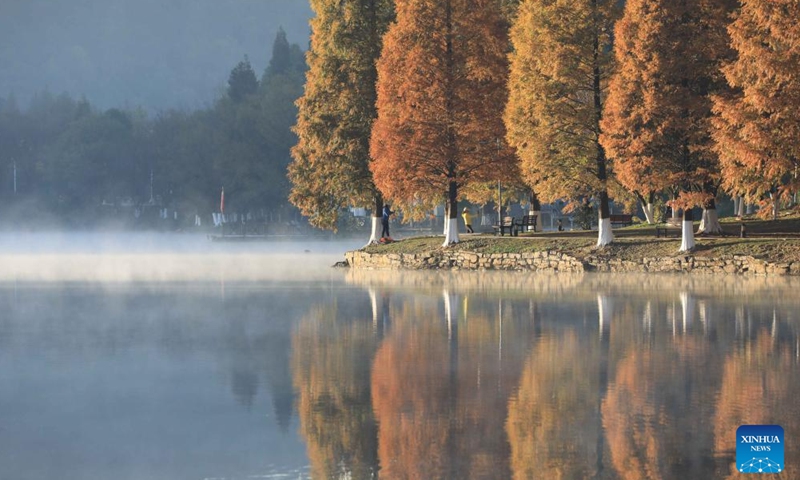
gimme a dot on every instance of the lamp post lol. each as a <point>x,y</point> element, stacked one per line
<point>499,190</point>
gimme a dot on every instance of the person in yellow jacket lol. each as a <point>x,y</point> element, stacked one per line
<point>467,220</point>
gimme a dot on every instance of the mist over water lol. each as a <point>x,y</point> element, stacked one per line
<point>133,356</point>
<point>122,257</point>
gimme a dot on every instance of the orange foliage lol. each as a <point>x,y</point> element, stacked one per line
<point>657,116</point>
<point>441,82</point>
<point>758,126</point>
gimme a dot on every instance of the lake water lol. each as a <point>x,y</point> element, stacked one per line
<point>170,357</point>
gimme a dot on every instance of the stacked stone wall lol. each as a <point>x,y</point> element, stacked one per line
<point>552,261</point>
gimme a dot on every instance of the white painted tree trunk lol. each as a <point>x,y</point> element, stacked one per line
<point>710,223</point>
<point>539,221</point>
<point>737,200</point>
<point>648,213</point>
<point>450,231</point>
<point>605,235</point>
<point>376,231</point>
<point>687,236</point>
<point>775,205</point>
<point>740,211</point>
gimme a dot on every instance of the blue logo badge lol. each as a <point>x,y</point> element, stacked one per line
<point>759,449</point>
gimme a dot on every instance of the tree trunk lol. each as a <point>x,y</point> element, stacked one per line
<point>605,235</point>
<point>737,200</point>
<point>647,206</point>
<point>377,215</point>
<point>687,232</point>
<point>536,209</point>
<point>675,211</point>
<point>709,224</point>
<point>740,211</point>
<point>775,205</point>
<point>648,213</point>
<point>451,216</point>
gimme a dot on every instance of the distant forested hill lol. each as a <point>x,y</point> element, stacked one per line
<point>158,54</point>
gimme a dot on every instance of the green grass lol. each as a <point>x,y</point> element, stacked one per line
<point>631,243</point>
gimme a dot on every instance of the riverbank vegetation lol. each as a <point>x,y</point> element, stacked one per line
<point>771,240</point>
<point>678,103</point>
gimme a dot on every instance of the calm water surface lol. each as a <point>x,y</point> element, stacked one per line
<point>167,357</point>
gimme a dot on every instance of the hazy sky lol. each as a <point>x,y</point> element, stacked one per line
<point>154,53</point>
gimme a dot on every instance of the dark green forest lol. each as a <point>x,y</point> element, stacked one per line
<point>66,163</point>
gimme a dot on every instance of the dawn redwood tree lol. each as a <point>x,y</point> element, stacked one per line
<point>559,68</point>
<point>330,168</point>
<point>657,117</point>
<point>441,82</point>
<point>758,124</point>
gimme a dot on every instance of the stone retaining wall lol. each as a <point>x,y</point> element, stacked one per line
<point>551,261</point>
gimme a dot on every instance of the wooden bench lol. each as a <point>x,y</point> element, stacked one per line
<point>621,220</point>
<point>527,223</point>
<point>507,225</point>
<point>672,225</point>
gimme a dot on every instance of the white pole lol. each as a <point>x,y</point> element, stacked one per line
<point>499,204</point>
<point>499,191</point>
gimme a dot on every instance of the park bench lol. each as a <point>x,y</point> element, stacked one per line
<point>621,220</point>
<point>506,225</point>
<point>672,225</point>
<point>527,223</point>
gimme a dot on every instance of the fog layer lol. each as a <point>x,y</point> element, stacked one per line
<point>155,53</point>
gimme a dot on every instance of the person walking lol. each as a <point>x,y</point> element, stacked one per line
<point>387,213</point>
<point>465,214</point>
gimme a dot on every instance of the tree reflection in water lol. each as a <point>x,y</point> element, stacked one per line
<point>454,378</point>
<point>760,386</point>
<point>332,351</point>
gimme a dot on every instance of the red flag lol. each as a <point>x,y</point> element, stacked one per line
<point>222,201</point>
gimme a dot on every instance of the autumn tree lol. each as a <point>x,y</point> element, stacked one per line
<point>441,79</point>
<point>559,69</point>
<point>758,124</point>
<point>657,117</point>
<point>330,170</point>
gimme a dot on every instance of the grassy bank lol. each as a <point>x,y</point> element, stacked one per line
<point>775,240</point>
